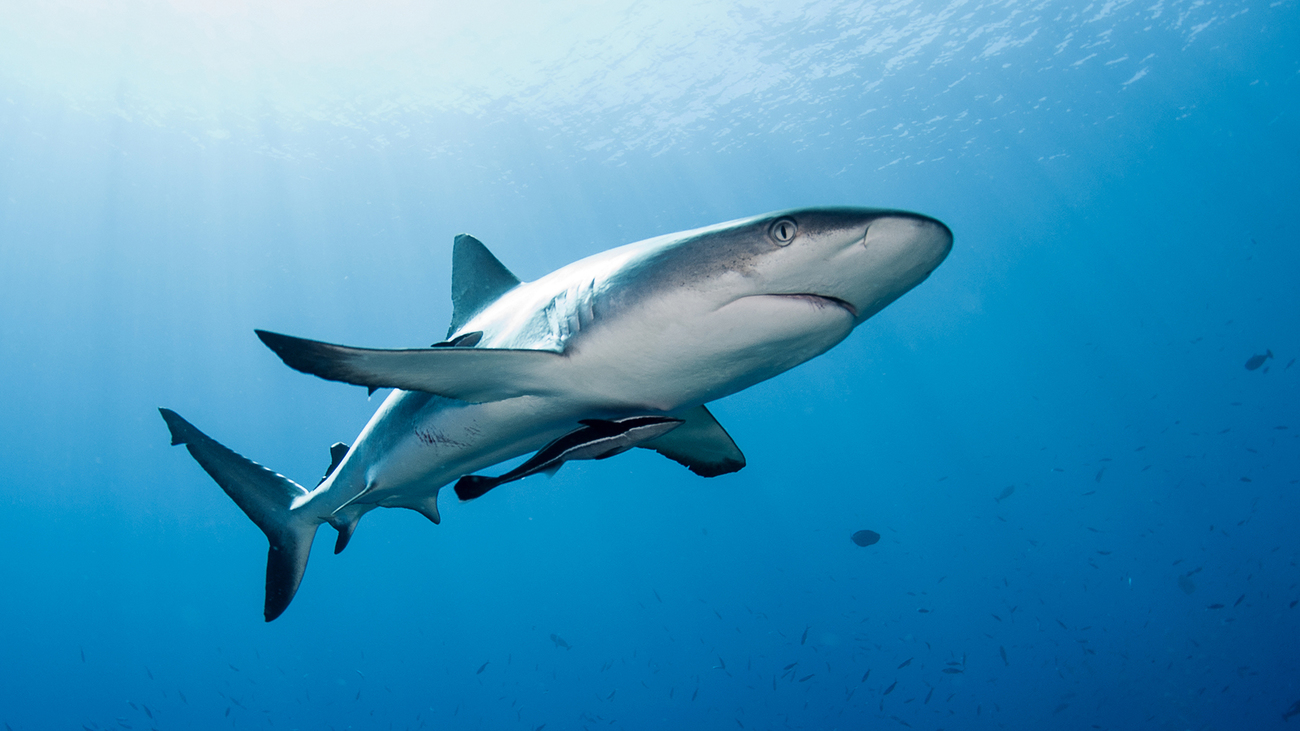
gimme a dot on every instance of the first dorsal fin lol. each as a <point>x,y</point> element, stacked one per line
<point>477,280</point>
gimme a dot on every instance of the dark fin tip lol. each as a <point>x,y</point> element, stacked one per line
<point>282,578</point>
<point>472,486</point>
<point>716,469</point>
<point>178,427</point>
<point>308,356</point>
<point>468,340</point>
<point>338,450</point>
<point>345,535</point>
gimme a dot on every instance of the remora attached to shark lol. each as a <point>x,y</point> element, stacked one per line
<point>622,349</point>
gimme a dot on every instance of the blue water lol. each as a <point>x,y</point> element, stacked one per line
<point>1122,180</point>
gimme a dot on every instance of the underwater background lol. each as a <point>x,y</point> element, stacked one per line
<point>1087,501</point>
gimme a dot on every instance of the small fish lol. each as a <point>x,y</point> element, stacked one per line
<point>697,692</point>
<point>1215,606</point>
<point>1007,492</point>
<point>559,642</point>
<point>721,665</point>
<point>953,671</point>
<point>611,694</point>
<point>868,673</point>
<point>804,639</point>
<point>890,689</point>
<point>661,601</point>
<point>929,695</point>
<point>1060,708</point>
<point>1292,711</point>
<point>482,667</point>
<point>787,667</point>
<point>1003,652</point>
<point>905,663</point>
<point>807,677</point>
<point>1240,599</point>
<point>865,538</point>
<point>1258,360</point>
<point>923,611</point>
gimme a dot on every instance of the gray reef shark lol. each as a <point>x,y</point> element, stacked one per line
<point>622,349</point>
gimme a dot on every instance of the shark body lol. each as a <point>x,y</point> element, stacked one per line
<point>622,349</point>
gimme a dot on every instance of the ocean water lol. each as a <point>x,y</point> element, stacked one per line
<point>1087,502</point>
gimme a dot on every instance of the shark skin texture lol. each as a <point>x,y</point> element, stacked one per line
<point>620,350</point>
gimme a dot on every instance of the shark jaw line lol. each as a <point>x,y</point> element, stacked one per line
<point>818,300</point>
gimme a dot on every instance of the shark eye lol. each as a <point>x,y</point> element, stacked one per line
<point>783,231</point>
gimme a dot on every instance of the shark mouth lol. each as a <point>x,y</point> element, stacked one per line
<point>821,300</point>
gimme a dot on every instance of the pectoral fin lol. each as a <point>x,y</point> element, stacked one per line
<point>701,444</point>
<point>476,375</point>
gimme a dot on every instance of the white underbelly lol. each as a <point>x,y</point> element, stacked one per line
<point>667,363</point>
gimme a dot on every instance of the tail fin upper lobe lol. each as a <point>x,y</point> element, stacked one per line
<point>265,497</point>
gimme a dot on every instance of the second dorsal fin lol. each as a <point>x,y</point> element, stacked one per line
<point>477,280</point>
<point>338,451</point>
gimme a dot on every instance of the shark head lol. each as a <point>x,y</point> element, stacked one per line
<point>855,258</point>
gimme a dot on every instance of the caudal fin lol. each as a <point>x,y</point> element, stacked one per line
<point>266,498</point>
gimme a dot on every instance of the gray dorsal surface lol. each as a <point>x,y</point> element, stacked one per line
<point>477,280</point>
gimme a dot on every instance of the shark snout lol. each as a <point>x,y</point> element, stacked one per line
<point>916,242</point>
<point>899,251</point>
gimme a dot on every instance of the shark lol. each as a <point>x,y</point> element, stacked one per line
<point>621,350</point>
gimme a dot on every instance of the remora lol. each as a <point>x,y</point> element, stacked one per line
<point>656,328</point>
